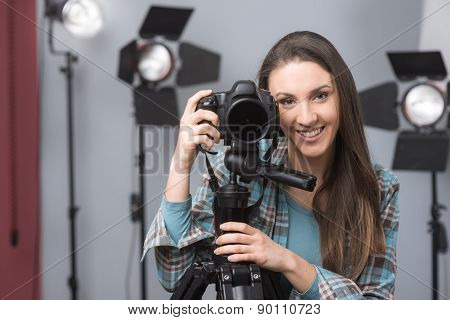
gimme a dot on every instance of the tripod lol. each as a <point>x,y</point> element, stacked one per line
<point>243,281</point>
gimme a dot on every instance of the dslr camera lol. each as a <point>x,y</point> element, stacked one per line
<point>247,114</point>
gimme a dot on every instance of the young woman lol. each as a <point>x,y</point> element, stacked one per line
<point>338,242</point>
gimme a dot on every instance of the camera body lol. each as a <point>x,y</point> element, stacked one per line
<point>247,114</point>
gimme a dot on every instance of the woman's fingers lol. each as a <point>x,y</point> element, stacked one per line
<point>238,226</point>
<point>234,238</point>
<point>247,244</point>
<point>203,139</point>
<point>203,114</point>
<point>186,149</point>
<point>233,249</point>
<point>206,128</point>
<point>246,257</point>
<point>193,101</point>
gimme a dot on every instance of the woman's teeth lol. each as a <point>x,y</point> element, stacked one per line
<point>312,133</point>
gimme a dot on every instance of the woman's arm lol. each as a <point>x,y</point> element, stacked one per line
<point>174,258</point>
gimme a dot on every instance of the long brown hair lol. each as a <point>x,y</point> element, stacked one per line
<point>346,205</point>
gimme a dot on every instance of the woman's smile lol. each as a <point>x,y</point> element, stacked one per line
<point>311,135</point>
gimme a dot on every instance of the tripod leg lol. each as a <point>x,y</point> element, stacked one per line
<point>195,281</point>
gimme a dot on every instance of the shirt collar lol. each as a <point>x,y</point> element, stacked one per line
<point>279,156</point>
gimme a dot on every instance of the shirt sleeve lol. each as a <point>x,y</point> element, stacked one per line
<point>174,256</point>
<point>313,292</point>
<point>176,216</point>
<point>378,277</point>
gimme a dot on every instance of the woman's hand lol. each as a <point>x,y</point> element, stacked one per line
<point>252,245</point>
<point>192,133</point>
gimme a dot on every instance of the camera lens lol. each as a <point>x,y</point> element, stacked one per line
<point>247,120</point>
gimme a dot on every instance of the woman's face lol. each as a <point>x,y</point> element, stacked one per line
<point>308,104</point>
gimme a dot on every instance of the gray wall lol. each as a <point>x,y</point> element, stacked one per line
<point>105,138</point>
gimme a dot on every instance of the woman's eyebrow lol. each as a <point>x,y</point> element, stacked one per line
<point>290,95</point>
<point>320,88</point>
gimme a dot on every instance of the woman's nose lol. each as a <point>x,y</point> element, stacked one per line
<point>306,116</point>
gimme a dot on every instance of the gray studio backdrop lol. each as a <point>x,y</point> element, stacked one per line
<point>242,31</point>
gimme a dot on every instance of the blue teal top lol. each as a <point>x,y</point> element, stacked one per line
<point>303,236</point>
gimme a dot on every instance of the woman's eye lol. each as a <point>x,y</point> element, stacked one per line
<point>321,96</point>
<point>287,102</point>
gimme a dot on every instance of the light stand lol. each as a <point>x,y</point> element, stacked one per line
<point>439,242</point>
<point>138,209</point>
<point>67,70</point>
<point>141,209</point>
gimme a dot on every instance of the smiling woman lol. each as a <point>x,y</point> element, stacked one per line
<point>322,119</point>
<point>338,242</point>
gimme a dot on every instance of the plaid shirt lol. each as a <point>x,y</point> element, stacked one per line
<point>172,259</point>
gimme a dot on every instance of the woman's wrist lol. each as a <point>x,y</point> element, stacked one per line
<point>177,188</point>
<point>180,165</point>
<point>299,272</point>
<point>288,261</point>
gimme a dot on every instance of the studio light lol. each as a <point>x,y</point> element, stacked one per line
<point>155,62</point>
<point>146,63</point>
<point>82,18</point>
<point>423,105</point>
<point>152,65</point>
<point>425,147</point>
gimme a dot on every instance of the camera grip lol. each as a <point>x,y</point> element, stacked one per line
<point>207,103</point>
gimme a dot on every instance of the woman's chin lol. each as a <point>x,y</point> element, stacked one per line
<point>310,151</point>
<point>311,154</point>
